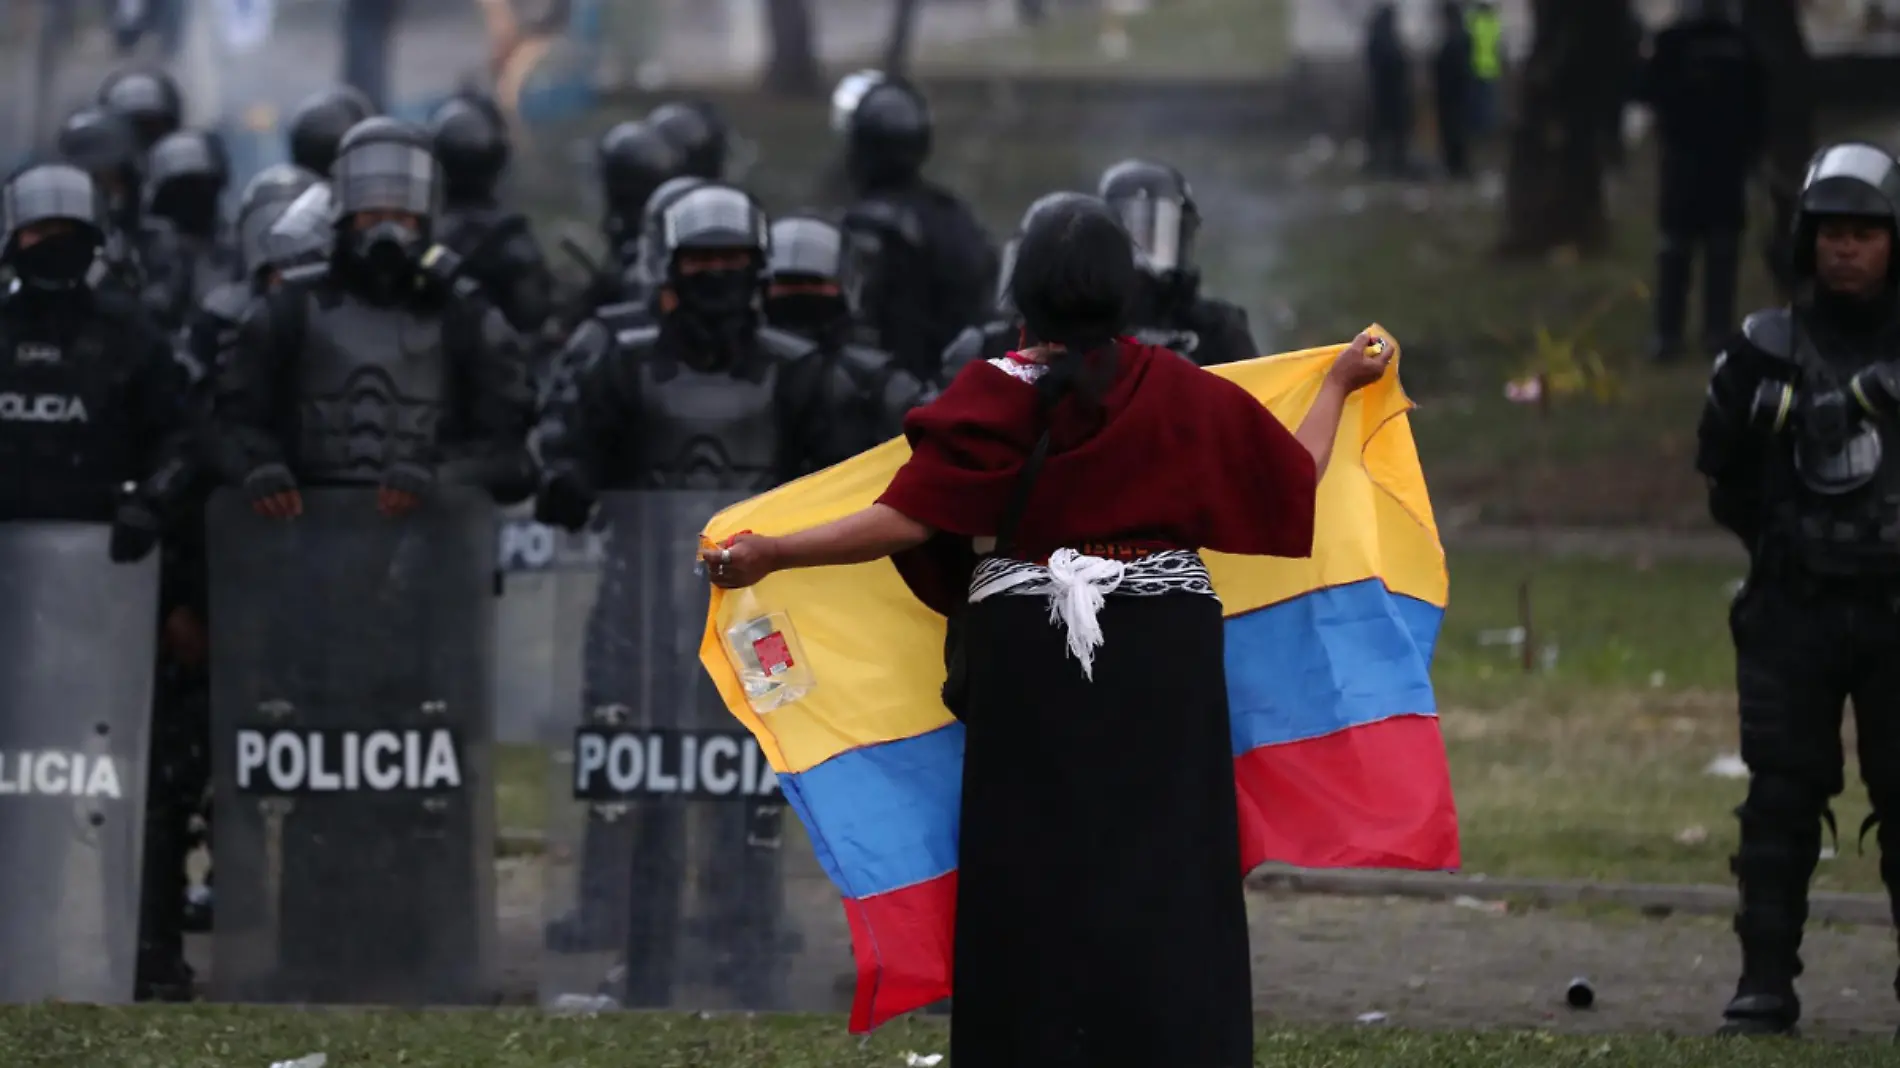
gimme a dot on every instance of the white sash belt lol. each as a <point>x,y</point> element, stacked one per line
<point>1077,586</point>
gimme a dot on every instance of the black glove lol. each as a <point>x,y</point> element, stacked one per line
<point>565,501</point>
<point>411,478</point>
<point>135,531</point>
<point>1829,418</point>
<point>270,480</point>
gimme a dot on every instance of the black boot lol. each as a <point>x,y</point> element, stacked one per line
<point>1773,911</point>
<point>1721,271</point>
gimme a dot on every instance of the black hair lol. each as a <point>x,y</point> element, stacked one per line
<point>1074,283</point>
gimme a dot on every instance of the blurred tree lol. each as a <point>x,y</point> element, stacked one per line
<point>1554,181</point>
<point>903,30</point>
<point>1778,31</point>
<point>793,69</point>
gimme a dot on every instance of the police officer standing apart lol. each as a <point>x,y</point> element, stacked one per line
<point>497,248</point>
<point>94,428</point>
<point>1799,441</point>
<point>1157,207</point>
<point>1709,91</point>
<point>919,262</point>
<point>455,398</point>
<point>865,389</point>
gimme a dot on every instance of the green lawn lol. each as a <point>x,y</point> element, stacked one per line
<point>1179,38</point>
<point>206,1037</point>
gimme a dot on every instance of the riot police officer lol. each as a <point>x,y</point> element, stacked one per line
<point>386,323</point>
<point>317,129</point>
<point>709,399</point>
<point>497,248</point>
<point>95,429</point>
<point>634,160</point>
<point>921,264</point>
<point>1798,440</point>
<point>1708,88</point>
<point>186,175</point>
<point>697,131</point>
<point>804,295</point>
<point>1156,205</point>
<point>148,99</point>
<point>259,262</point>
<point>144,255</point>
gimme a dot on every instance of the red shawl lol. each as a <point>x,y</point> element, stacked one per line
<point>1177,459</point>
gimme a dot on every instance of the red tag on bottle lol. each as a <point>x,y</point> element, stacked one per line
<point>774,653</point>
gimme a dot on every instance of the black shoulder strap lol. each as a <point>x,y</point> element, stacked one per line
<point>1019,496</point>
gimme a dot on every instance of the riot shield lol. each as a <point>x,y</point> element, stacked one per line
<point>352,713</point>
<point>676,877</point>
<point>534,688</point>
<point>78,646</point>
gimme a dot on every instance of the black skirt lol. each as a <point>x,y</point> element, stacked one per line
<point>1100,912</point>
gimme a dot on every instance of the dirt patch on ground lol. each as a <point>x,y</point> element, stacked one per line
<point>1432,965</point>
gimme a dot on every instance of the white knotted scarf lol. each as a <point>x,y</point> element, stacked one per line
<point>1077,587</point>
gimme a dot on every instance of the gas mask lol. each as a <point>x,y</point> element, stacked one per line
<point>717,316</point>
<point>57,262</point>
<point>384,257</point>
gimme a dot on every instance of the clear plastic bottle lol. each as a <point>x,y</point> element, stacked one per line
<point>765,653</point>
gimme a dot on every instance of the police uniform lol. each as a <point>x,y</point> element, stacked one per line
<point>496,246</point>
<point>1799,441</point>
<point>707,398</point>
<point>1156,205</point>
<point>633,161</point>
<point>383,323</point>
<point>186,175</point>
<point>863,388</point>
<point>94,427</point>
<point>918,263</point>
<point>142,253</point>
<point>1708,89</point>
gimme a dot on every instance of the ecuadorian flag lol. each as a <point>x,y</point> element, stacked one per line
<point>1337,752</point>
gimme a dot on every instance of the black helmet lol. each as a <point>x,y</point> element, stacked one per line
<point>805,248</point>
<point>1854,179</point>
<point>262,204</point>
<point>635,159</point>
<point>386,165</point>
<point>148,99</point>
<point>1044,205</point>
<point>471,142</point>
<point>318,125</point>
<point>44,193</point>
<point>714,216</point>
<point>888,135</point>
<point>1156,207</point>
<point>697,131</point>
<point>186,173</point>
<point>99,141</point>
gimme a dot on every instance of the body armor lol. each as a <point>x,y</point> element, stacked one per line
<point>698,430</point>
<point>370,385</point>
<point>1840,512</point>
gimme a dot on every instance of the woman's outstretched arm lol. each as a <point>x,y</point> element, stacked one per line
<point>872,534</point>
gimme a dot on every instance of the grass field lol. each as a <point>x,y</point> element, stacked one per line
<point>196,1037</point>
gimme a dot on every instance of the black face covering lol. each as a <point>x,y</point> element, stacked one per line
<point>716,320</point>
<point>384,260</point>
<point>58,262</point>
<point>809,315</point>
